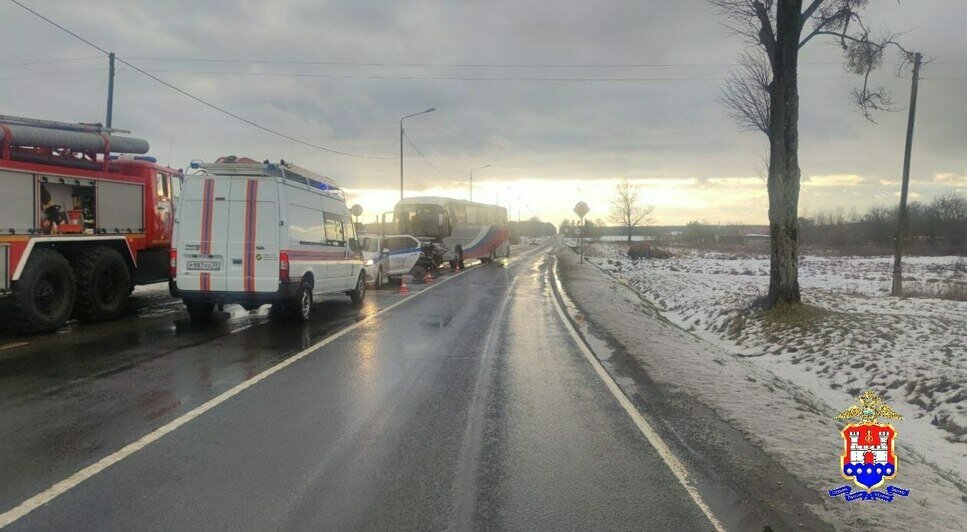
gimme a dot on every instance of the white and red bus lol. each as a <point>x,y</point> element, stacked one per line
<point>456,230</point>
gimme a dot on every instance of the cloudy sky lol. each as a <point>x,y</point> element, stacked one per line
<point>539,89</point>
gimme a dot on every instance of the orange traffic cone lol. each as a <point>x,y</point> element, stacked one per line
<point>403,289</point>
<point>427,279</point>
<point>458,266</point>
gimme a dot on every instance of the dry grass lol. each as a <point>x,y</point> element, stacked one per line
<point>950,291</point>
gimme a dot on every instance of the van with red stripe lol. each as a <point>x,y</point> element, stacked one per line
<point>254,233</point>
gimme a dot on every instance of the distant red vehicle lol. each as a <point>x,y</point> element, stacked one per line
<point>79,227</point>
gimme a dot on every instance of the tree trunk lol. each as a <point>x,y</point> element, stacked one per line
<point>784,172</point>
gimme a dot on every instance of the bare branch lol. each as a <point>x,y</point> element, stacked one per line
<point>626,209</point>
<point>751,20</point>
<point>747,92</point>
<point>810,10</point>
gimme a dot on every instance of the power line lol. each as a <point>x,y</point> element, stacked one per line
<point>467,65</point>
<point>51,61</point>
<point>408,139</point>
<point>484,78</point>
<point>51,74</point>
<point>196,98</point>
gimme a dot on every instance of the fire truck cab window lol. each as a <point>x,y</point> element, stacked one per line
<point>161,188</point>
<point>175,187</point>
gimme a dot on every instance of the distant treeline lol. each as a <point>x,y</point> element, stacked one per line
<point>937,227</point>
<point>530,228</point>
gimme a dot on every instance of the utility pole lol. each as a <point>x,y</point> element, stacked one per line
<point>401,159</point>
<point>110,90</point>
<point>901,228</point>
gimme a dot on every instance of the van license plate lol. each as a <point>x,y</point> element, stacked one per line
<point>204,265</point>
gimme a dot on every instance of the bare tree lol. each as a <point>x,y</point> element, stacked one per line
<point>626,210</point>
<point>763,94</point>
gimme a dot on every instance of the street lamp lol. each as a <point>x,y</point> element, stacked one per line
<point>430,110</point>
<point>472,170</point>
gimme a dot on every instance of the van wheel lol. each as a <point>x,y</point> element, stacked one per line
<point>43,297</point>
<point>299,308</point>
<point>200,312</point>
<point>359,293</point>
<point>418,273</point>
<point>379,279</point>
<point>103,279</point>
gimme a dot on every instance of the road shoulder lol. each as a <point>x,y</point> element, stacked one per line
<point>671,377</point>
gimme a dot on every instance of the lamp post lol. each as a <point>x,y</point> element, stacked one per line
<point>430,110</point>
<point>472,170</point>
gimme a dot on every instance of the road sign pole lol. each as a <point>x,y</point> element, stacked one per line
<point>582,240</point>
<point>581,209</point>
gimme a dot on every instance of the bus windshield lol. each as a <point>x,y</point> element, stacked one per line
<point>422,220</point>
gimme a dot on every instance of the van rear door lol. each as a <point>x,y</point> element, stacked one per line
<point>202,221</point>
<point>253,235</point>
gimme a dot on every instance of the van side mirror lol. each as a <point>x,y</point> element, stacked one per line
<point>354,245</point>
<point>385,251</point>
<point>366,242</point>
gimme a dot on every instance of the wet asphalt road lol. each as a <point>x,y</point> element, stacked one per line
<point>466,407</point>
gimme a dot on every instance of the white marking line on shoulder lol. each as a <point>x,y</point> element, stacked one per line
<point>12,345</point>
<point>58,489</point>
<point>665,452</point>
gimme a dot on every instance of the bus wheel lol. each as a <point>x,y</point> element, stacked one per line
<point>102,284</point>
<point>43,297</point>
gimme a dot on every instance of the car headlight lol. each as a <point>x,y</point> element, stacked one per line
<point>369,262</point>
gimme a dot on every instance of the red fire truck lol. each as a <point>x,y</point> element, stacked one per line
<point>83,219</point>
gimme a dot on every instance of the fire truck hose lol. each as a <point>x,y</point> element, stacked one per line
<point>38,137</point>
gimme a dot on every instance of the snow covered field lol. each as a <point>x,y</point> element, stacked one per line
<point>852,338</point>
<point>913,350</point>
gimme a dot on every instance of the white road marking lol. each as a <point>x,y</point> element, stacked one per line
<point>677,468</point>
<point>11,345</point>
<point>71,482</point>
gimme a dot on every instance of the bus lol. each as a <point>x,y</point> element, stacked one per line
<point>454,230</point>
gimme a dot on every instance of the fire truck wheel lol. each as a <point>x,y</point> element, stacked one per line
<point>102,285</point>
<point>43,297</point>
<point>200,312</point>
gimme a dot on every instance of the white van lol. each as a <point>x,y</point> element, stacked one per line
<point>255,233</point>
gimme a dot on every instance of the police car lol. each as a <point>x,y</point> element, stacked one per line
<point>389,257</point>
